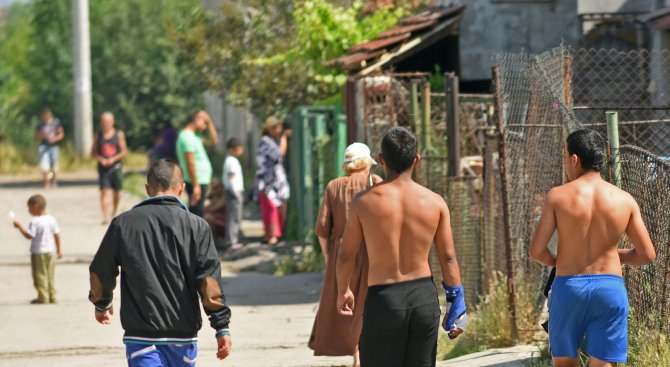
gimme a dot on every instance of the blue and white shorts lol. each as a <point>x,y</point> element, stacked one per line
<point>173,355</point>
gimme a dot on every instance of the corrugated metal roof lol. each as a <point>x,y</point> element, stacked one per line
<point>354,60</point>
<point>395,31</point>
<point>396,37</point>
<point>379,43</point>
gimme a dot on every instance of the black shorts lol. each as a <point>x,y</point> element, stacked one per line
<point>400,325</point>
<point>111,177</point>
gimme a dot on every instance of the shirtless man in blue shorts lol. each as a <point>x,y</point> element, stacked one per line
<point>588,296</point>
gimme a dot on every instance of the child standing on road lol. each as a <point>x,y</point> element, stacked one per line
<point>233,184</point>
<point>43,233</point>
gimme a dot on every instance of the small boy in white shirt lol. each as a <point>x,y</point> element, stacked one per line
<point>233,184</point>
<point>43,234</point>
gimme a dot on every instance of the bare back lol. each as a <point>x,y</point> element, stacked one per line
<point>591,217</point>
<point>399,220</point>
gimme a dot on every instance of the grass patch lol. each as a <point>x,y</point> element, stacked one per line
<point>133,183</point>
<point>301,260</point>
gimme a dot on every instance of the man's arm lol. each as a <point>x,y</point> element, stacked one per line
<point>60,134</point>
<point>539,250</point>
<point>123,149</point>
<point>103,272</point>
<point>445,249</point>
<point>208,278</point>
<point>643,251</point>
<point>190,168</point>
<point>212,138</point>
<point>455,320</point>
<point>94,150</point>
<point>351,242</point>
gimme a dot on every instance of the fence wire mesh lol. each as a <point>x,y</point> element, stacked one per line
<point>647,178</point>
<point>537,93</point>
<point>387,104</point>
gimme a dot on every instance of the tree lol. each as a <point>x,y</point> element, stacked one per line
<point>137,71</point>
<point>272,55</point>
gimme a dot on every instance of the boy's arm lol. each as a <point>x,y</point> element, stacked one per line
<point>23,231</point>
<point>545,229</point>
<point>59,254</point>
<point>643,251</point>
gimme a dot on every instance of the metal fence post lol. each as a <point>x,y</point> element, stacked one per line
<point>613,139</point>
<point>414,106</point>
<point>505,202</point>
<point>425,117</point>
<point>453,140</point>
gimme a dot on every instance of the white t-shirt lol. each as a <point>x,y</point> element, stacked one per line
<point>43,228</point>
<point>231,166</point>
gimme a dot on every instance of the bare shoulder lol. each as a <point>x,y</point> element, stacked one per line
<point>621,196</point>
<point>430,197</point>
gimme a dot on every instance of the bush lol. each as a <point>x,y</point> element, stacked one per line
<point>306,260</point>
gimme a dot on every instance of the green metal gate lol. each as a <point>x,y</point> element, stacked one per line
<point>315,157</point>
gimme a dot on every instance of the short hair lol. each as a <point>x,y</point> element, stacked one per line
<point>46,109</point>
<point>164,174</point>
<point>233,143</point>
<point>106,114</point>
<point>38,200</point>
<point>194,114</point>
<point>399,146</point>
<point>589,146</point>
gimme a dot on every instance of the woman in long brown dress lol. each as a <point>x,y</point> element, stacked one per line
<point>334,334</point>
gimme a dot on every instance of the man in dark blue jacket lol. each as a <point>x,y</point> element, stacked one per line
<point>167,259</point>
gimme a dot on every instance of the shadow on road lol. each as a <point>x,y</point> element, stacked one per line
<point>253,289</point>
<point>26,184</point>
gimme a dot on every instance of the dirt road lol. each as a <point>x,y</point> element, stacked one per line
<point>272,316</point>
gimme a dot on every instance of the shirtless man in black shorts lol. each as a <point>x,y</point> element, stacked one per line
<point>399,220</point>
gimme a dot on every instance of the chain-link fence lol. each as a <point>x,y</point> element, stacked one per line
<point>536,112</point>
<point>647,178</point>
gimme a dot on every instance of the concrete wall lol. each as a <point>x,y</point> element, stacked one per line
<point>489,26</point>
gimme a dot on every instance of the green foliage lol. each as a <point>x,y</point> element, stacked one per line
<point>306,260</point>
<point>273,54</point>
<point>137,72</point>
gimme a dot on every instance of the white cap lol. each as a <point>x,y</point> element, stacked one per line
<point>357,151</point>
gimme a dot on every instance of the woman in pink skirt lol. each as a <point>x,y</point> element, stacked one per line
<point>272,183</point>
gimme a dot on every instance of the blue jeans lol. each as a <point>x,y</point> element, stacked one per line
<point>141,355</point>
<point>48,157</point>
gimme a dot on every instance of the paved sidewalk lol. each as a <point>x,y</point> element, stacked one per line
<point>272,316</point>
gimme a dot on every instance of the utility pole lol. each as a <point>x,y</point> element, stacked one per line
<point>83,110</point>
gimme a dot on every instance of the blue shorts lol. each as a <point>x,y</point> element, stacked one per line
<point>142,355</point>
<point>591,305</point>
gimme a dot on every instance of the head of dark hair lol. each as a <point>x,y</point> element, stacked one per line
<point>46,109</point>
<point>589,146</point>
<point>164,174</point>
<point>399,146</point>
<point>233,143</point>
<point>192,116</point>
<point>38,200</point>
